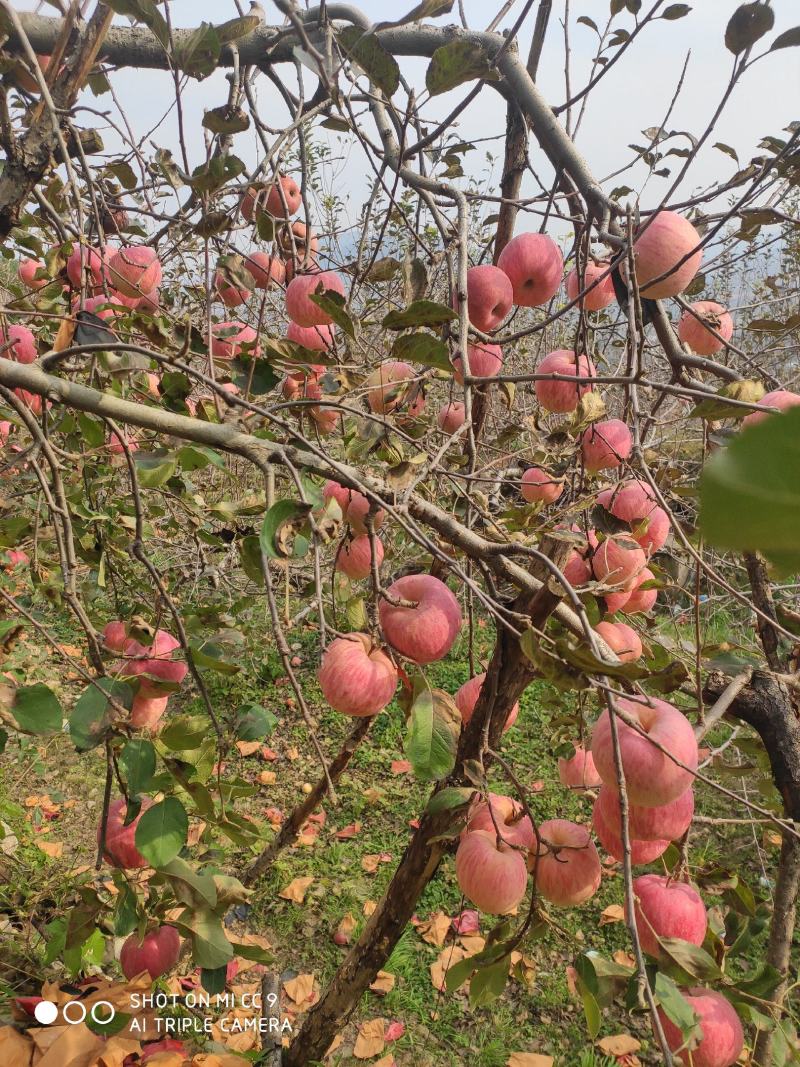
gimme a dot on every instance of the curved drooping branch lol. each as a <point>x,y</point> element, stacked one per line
<point>260,452</point>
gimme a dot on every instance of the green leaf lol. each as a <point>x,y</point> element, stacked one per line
<point>420,313</point>
<point>126,917</point>
<point>459,61</point>
<point>185,732</point>
<point>457,975</point>
<point>144,11</point>
<point>37,709</point>
<point>676,1007</point>
<point>332,303</point>
<point>762,984</point>
<point>162,830</point>
<point>197,457</point>
<point>448,799</point>
<point>281,536</point>
<point>214,980</point>
<point>427,9</point>
<point>191,887</point>
<point>123,172</point>
<point>431,741</point>
<point>691,960</point>
<point>88,721</point>
<point>154,468</point>
<point>92,430</point>
<point>750,492</point>
<point>488,983</point>
<point>254,722</point>
<point>366,50</point>
<point>138,760</point>
<point>254,374</point>
<point>747,25</point>
<point>210,947</point>
<point>198,54</point>
<point>591,1009</point>
<point>422,348</point>
<point>675,11</point>
<point>788,39</point>
<point>226,120</point>
<point>211,656</point>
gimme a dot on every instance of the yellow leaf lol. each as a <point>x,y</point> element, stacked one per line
<point>624,959</point>
<point>268,777</point>
<point>386,1061</point>
<point>15,1050</point>
<point>448,958</point>
<point>383,984</point>
<point>619,1045</point>
<point>369,1041</point>
<point>54,849</point>
<point>434,930</point>
<point>296,890</point>
<point>334,1045</point>
<point>248,748</point>
<point>473,944</point>
<point>614,913</point>
<point>529,1059</point>
<point>369,908</point>
<point>299,989</point>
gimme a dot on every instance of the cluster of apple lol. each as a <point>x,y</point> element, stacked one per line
<point>151,667</point>
<point>158,951</point>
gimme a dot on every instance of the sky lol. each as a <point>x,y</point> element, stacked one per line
<point>635,94</point>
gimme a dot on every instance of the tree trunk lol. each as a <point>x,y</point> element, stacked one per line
<point>509,673</point>
<point>766,704</point>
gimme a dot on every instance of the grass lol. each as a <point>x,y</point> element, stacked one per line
<point>441,1029</point>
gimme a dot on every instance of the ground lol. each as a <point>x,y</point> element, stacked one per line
<point>537,1012</point>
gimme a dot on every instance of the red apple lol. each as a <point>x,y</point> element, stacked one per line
<point>355,557</point>
<point>135,271</point>
<point>781,399</point>
<point>146,711</point>
<point>489,297</point>
<point>120,844</point>
<point>387,386</point>
<point>21,344</point>
<point>534,265</point>
<point>317,338</point>
<point>651,777</point>
<point>699,337</point>
<point>622,639</point>
<point>601,295</point>
<point>605,445</point>
<point>426,632</point>
<point>515,827</point>
<point>640,599</point>
<point>578,772</point>
<point>492,876</point>
<point>303,310</point>
<point>264,269</point>
<point>157,953</point>
<point>27,271</point>
<point>485,361</point>
<point>722,1037</point>
<point>227,339</point>
<point>666,908</point>
<point>567,870</point>
<point>356,677</point>
<point>670,821</point>
<point>561,396</point>
<point>90,261</point>
<point>668,243</point>
<point>537,484</point>
<point>451,417</point>
<point>618,561</point>
<point>467,697</point>
<point>279,198</point>
<point>609,834</point>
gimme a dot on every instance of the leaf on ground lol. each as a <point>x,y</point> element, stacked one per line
<point>386,1061</point>
<point>383,984</point>
<point>372,862</point>
<point>369,908</point>
<point>400,766</point>
<point>248,748</point>
<point>434,930</point>
<point>468,922</point>
<point>529,1059</point>
<point>394,1031</point>
<point>348,831</point>
<point>372,795</point>
<point>299,989</point>
<point>614,913</point>
<point>53,849</point>
<point>448,958</point>
<point>369,1041</point>
<point>296,890</point>
<point>472,944</point>
<point>623,958</point>
<point>619,1045</point>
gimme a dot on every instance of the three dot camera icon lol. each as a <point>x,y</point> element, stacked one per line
<point>102,1012</point>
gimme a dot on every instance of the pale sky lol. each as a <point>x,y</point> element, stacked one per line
<point>633,96</point>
